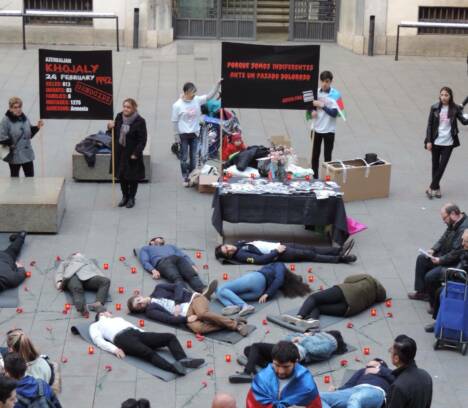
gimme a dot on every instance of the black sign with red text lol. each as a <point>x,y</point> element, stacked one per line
<point>269,76</point>
<point>75,84</point>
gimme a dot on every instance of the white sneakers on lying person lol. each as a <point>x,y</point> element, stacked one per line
<point>230,310</point>
<point>246,309</point>
<point>299,321</point>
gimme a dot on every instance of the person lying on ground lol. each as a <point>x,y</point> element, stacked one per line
<point>78,273</point>
<point>284,382</point>
<point>368,387</point>
<point>172,303</point>
<point>120,337</point>
<point>264,252</point>
<point>12,272</point>
<point>28,388</point>
<point>312,347</point>
<point>355,294</point>
<point>261,286</point>
<point>168,261</point>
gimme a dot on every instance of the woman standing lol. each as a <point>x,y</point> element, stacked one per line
<point>129,141</point>
<point>442,136</point>
<point>260,286</point>
<point>16,132</point>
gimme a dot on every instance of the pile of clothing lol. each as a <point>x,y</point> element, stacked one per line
<point>100,142</point>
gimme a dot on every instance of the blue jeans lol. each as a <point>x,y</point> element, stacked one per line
<point>188,161</point>
<point>248,287</point>
<point>360,396</point>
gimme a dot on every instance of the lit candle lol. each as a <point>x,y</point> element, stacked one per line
<point>118,306</point>
<point>264,322</point>
<point>311,278</point>
<point>366,351</point>
<point>344,363</point>
<point>350,325</point>
<point>67,306</point>
<point>189,343</point>
<point>327,178</point>
<point>106,266</point>
<point>289,176</point>
<point>292,267</point>
<point>198,254</point>
<point>90,350</point>
<point>19,310</point>
<point>227,357</point>
<point>307,178</point>
<point>141,323</point>
<point>309,270</point>
<point>326,379</point>
<point>121,289</point>
<point>133,269</point>
<point>373,312</point>
<point>225,276</point>
<point>28,274</point>
<point>225,179</point>
<point>388,303</point>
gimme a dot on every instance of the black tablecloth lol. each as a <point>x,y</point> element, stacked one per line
<point>300,209</point>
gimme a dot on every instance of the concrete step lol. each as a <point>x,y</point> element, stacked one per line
<point>273,3</point>
<point>266,10</point>
<point>273,18</point>
<point>262,24</point>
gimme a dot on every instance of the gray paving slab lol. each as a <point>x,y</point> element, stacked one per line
<point>387,104</point>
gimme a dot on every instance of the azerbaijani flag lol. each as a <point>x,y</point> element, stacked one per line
<point>335,96</point>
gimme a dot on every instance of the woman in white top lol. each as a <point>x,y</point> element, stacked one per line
<point>442,136</point>
<point>186,117</point>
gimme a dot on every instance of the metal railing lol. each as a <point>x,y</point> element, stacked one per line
<point>59,5</point>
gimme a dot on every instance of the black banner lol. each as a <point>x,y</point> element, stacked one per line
<point>75,84</point>
<point>269,76</point>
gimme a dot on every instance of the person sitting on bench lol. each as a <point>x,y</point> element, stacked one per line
<point>355,294</point>
<point>368,387</point>
<point>312,347</point>
<point>263,252</point>
<point>172,303</point>
<point>12,272</point>
<point>77,274</point>
<point>260,285</point>
<point>168,261</point>
<point>120,337</point>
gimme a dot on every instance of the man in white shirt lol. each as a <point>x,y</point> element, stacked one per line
<point>186,117</point>
<point>120,337</point>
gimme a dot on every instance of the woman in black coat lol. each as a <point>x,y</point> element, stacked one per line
<point>442,136</point>
<point>129,142</point>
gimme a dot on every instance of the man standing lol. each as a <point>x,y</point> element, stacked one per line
<point>284,383</point>
<point>12,273</point>
<point>171,263</point>
<point>412,387</point>
<point>173,304</point>
<point>324,120</point>
<point>429,269</point>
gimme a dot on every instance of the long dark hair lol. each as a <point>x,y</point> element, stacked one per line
<point>341,345</point>
<point>451,104</point>
<point>219,254</point>
<point>293,286</point>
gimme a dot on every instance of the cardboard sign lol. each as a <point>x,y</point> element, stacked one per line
<point>269,76</point>
<point>75,84</point>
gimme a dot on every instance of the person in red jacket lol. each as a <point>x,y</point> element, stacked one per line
<point>235,145</point>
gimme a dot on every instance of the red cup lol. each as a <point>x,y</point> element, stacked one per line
<point>264,322</point>
<point>67,306</point>
<point>189,343</point>
<point>326,379</point>
<point>106,266</point>
<point>227,357</point>
<point>28,274</point>
<point>225,276</point>
<point>121,289</point>
<point>133,269</point>
<point>141,323</point>
<point>90,350</point>
<point>373,312</point>
<point>366,351</point>
<point>118,306</point>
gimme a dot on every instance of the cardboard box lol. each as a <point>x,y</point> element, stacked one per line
<point>280,140</point>
<point>205,184</point>
<point>359,181</point>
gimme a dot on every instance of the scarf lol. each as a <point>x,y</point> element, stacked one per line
<point>126,123</point>
<point>301,390</point>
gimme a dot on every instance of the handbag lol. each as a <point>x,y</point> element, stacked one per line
<point>4,151</point>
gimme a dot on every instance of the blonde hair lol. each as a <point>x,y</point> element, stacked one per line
<point>14,100</point>
<point>21,344</point>
<point>132,102</point>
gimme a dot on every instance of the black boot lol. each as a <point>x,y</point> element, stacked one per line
<point>130,203</point>
<point>191,362</point>
<point>123,201</point>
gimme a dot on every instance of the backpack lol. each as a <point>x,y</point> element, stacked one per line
<point>39,401</point>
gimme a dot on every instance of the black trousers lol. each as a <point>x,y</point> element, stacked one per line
<point>330,301</point>
<point>258,354</point>
<point>178,269</point>
<point>328,141</point>
<point>144,345</point>
<point>129,188</point>
<point>98,284</point>
<point>14,248</point>
<point>28,169</point>
<point>13,277</point>
<point>307,253</point>
<point>426,273</point>
<point>440,158</point>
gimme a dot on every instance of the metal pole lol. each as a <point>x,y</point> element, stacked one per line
<point>397,42</point>
<point>117,31</point>
<point>291,20</point>
<point>24,26</point>
<point>136,26</point>
<point>370,44</point>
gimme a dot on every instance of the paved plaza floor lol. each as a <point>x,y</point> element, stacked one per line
<point>387,105</point>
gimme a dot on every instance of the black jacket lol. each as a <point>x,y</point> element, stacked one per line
<point>433,124</point>
<point>451,240</point>
<point>125,167</point>
<point>383,379</point>
<point>92,144</point>
<point>248,253</point>
<point>10,275</point>
<point>174,291</point>
<point>412,388</point>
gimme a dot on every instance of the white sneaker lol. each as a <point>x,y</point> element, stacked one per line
<point>230,310</point>
<point>185,184</point>
<point>310,324</point>
<point>246,309</point>
<point>291,319</point>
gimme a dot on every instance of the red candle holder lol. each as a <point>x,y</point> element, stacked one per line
<point>289,176</point>
<point>344,363</point>
<point>106,266</point>
<point>326,379</point>
<point>205,266</point>
<point>388,303</point>
<point>292,267</point>
<point>28,274</point>
<point>19,310</point>
<point>189,343</point>
<point>227,357</point>
<point>309,270</point>
<point>225,179</point>
<point>225,276</point>
<point>57,258</point>
<point>327,178</point>
<point>366,351</point>
<point>264,322</point>
<point>198,254</point>
<point>373,312</point>
<point>64,360</point>
<point>311,278</point>
<point>90,350</point>
<point>141,323</point>
<point>133,269</point>
<point>121,258</point>
<point>350,325</point>
<point>307,178</point>
<point>118,306</point>
<point>121,290</point>
<point>67,306</point>
<point>389,314</point>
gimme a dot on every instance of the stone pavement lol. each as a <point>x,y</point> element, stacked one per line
<point>387,104</point>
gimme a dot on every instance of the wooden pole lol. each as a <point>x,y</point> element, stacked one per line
<point>113,168</point>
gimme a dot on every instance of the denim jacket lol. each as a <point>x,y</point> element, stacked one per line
<point>316,347</point>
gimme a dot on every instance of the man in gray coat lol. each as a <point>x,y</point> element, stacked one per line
<point>77,274</point>
<point>12,272</point>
